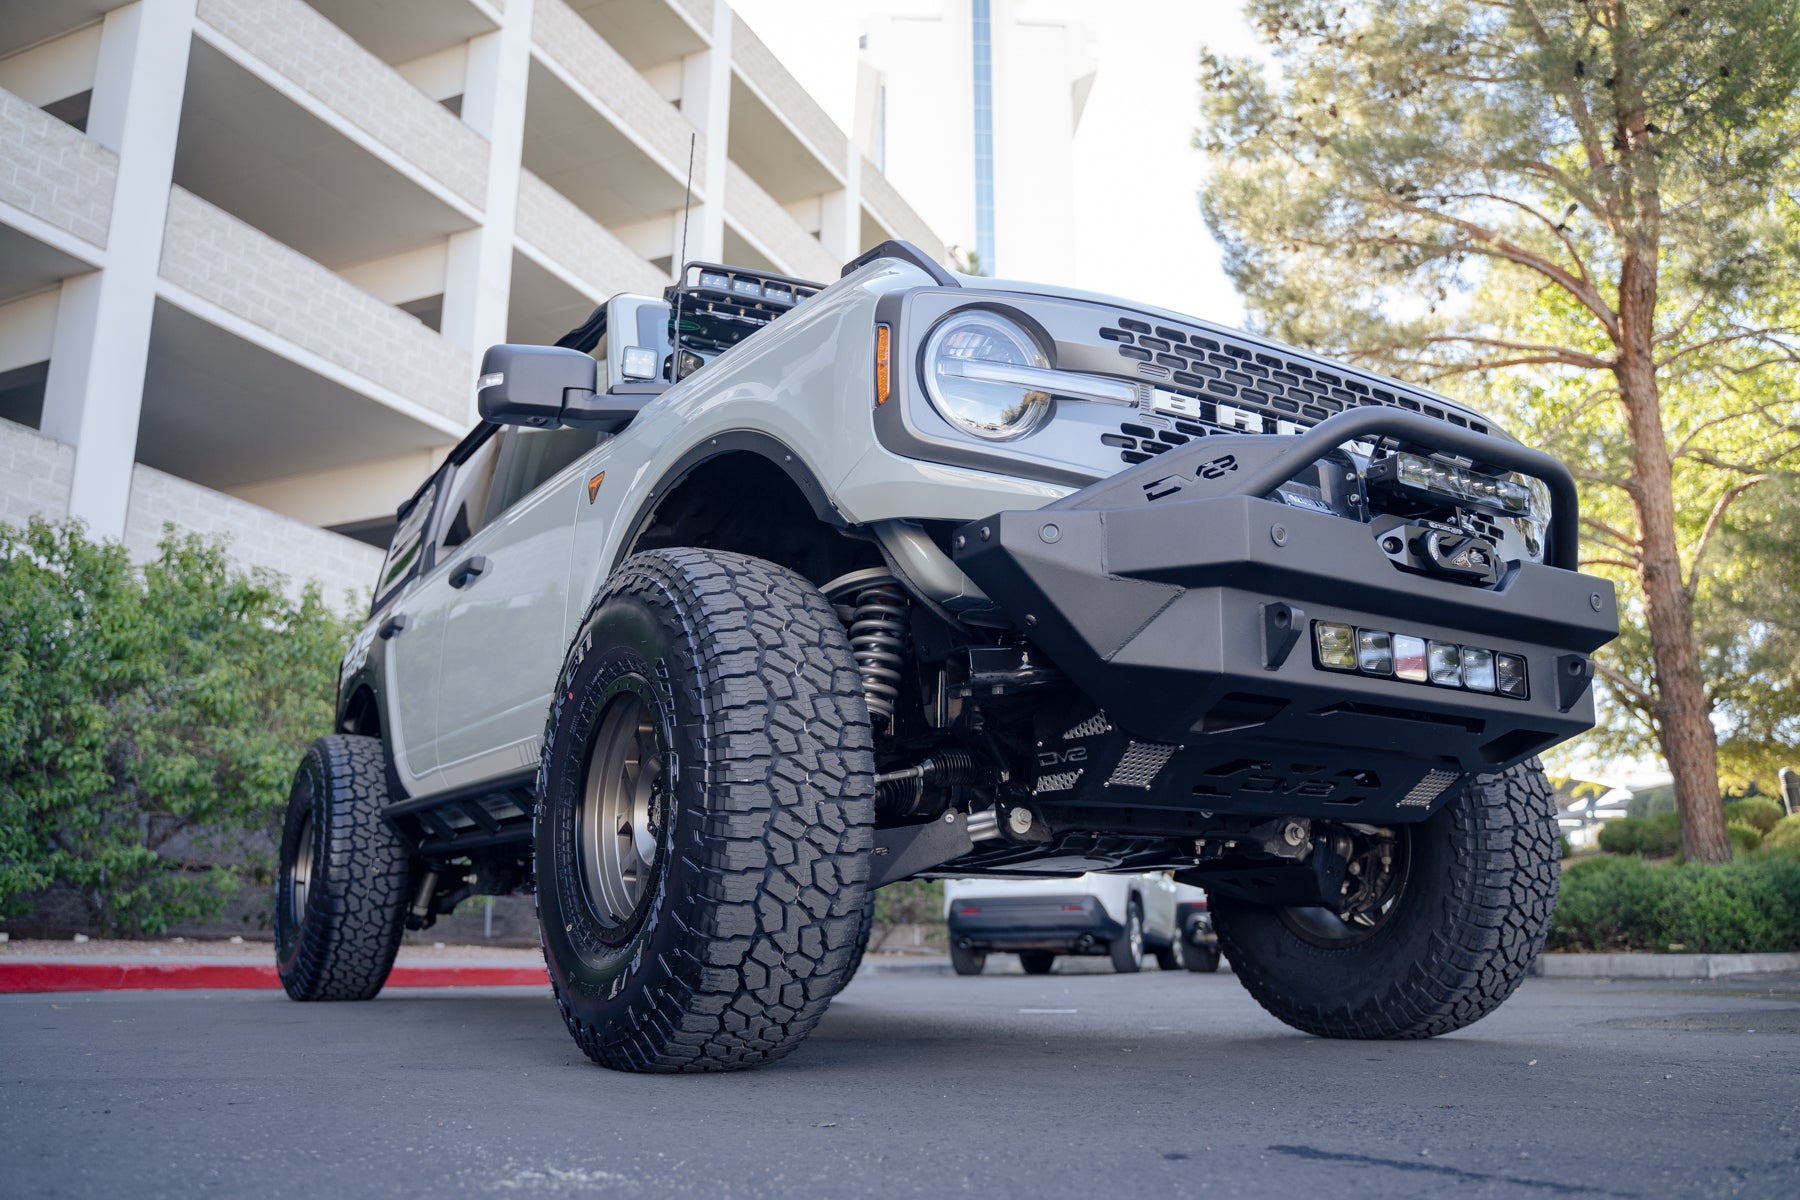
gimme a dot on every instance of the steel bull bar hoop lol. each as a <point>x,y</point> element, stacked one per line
<point>1183,602</point>
<point>1565,508</point>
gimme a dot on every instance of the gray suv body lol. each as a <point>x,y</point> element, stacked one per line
<point>744,601</point>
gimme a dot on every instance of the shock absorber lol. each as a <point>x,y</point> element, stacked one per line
<point>877,625</point>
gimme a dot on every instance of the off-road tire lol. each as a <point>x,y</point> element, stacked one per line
<point>1200,960</point>
<point>348,930</point>
<point>967,960</point>
<point>748,920</point>
<point>1128,955</point>
<point>862,937</point>
<point>1480,892</point>
<point>1037,962</point>
<point>1171,957</point>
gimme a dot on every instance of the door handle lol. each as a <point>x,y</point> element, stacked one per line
<point>468,571</point>
<point>392,627</point>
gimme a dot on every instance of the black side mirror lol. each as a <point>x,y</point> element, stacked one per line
<point>528,385</point>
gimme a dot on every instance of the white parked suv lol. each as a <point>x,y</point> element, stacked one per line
<point>743,601</point>
<point>1119,916</point>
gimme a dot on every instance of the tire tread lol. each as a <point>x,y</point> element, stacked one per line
<point>782,854</point>
<point>1504,872</point>
<point>357,900</point>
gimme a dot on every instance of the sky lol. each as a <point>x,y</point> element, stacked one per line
<point>1140,233</point>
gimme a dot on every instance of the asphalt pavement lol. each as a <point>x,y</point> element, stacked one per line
<point>915,1085</point>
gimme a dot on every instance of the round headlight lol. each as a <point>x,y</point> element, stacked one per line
<point>973,399</point>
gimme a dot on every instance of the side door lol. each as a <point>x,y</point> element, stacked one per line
<point>506,630</point>
<point>409,638</point>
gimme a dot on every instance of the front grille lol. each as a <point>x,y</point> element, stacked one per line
<point>1264,391</point>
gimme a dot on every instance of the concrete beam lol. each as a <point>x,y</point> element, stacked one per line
<point>95,389</point>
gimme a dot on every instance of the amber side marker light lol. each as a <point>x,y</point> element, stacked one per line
<point>882,377</point>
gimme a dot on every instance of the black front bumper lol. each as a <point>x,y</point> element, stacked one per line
<point>1181,602</point>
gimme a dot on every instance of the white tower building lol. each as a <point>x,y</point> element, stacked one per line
<point>970,107</point>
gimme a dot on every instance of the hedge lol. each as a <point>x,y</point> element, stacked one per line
<point>1759,812</point>
<point>1657,836</point>
<point>1751,904</point>
<point>150,720</point>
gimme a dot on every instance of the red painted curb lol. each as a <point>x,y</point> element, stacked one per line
<point>42,976</point>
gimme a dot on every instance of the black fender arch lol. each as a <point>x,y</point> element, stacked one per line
<point>741,445</point>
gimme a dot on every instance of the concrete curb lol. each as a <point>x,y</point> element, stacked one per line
<point>1661,966</point>
<point>923,965</point>
<point>73,975</point>
<point>30,975</point>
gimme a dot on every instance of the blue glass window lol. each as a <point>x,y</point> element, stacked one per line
<point>984,134</point>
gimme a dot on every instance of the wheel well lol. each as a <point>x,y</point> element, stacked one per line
<point>362,715</point>
<point>741,501</point>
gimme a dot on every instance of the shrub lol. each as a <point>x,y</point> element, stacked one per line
<point>1662,835</point>
<point>1657,836</point>
<point>1745,906</point>
<point>915,902</point>
<point>1744,837</point>
<point>1748,905</point>
<point>1622,835</point>
<point>1760,812</point>
<point>150,720</point>
<point>1606,903</point>
<point>1785,835</point>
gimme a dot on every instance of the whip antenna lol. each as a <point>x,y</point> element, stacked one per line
<point>687,206</point>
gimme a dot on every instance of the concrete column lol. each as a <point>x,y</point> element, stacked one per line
<point>95,389</point>
<point>840,213</point>
<point>478,272</point>
<point>706,101</point>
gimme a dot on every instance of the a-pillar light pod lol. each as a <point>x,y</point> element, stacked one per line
<point>1478,669</point>
<point>1510,677</point>
<point>1409,657</point>
<point>1374,652</point>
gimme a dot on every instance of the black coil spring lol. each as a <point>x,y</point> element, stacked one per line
<point>878,642</point>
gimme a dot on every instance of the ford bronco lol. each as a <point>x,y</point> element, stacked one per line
<point>746,600</point>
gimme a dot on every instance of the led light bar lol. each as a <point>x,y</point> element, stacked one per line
<point>1443,663</point>
<point>1413,659</point>
<point>1478,669</point>
<point>1509,673</point>
<point>1337,645</point>
<point>1409,658</point>
<point>1374,652</point>
<point>1426,478</point>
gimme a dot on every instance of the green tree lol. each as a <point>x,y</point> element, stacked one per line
<point>1749,614</point>
<point>1581,211</point>
<point>150,720</point>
